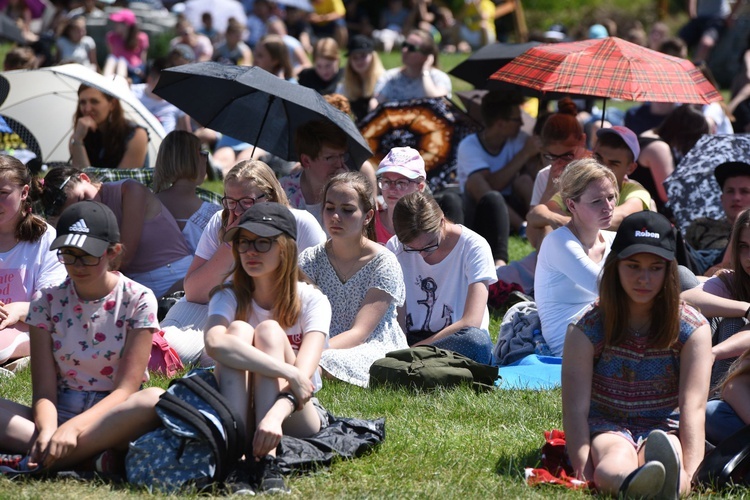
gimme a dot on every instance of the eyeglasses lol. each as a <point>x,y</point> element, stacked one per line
<point>336,159</point>
<point>58,199</point>
<point>514,119</point>
<point>261,245</point>
<point>410,47</point>
<point>568,157</point>
<point>428,249</point>
<point>399,185</point>
<point>203,154</point>
<point>245,203</point>
<point>70,259</point>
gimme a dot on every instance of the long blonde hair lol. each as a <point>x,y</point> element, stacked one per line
<point>357,86</point>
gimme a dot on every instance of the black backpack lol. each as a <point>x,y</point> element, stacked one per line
<point>200,442</point>
<point>728,463</point>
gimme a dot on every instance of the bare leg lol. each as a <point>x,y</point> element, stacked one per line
<point>233,384</point>
<point>18,430</point>
<point>614,458</point>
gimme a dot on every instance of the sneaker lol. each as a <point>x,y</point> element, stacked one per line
<point>240,481</point>
<point>109,462</point>
<point>15,464</point>
<point>269,477</point>
<point>643,482</point>
<point>659,448</point>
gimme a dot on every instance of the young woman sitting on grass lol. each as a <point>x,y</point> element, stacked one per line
<point>266,329</point>
<point>90,344</point>
<point>362,280</point>
<point>447,270</point>
<point>635,372</point>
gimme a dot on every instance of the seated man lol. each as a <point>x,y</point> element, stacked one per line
<point>616,148</point>
<point>489,165</point>
<point>709,238</point>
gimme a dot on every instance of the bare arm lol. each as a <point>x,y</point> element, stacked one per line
<point>135,198</point>
<point>135,151</point>
<point>712,305</point>
<point>621,211</point>
<point>695,374</point>
<point>476,301</point>
<point>737,393</point>
<point>577,375</point>
<point>44,387</point>
<point>373,308</point>
<point>547,214</point>
<point>657,157</point>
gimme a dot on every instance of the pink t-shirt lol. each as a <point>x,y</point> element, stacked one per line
<point>117,48</point>
<point>88,337</point>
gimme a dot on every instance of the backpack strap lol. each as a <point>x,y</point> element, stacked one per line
<point>187,412</point>
<point>233,423</point>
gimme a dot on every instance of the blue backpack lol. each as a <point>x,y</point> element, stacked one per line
<point>200,442</point>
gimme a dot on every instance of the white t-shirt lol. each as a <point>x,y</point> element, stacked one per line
<point>166,112</point>
<point>472,157</point>
<point>315,315</point>
<point>540,184</point>
<point>565,283</point>
<point>309,233</point>
<point>436,293</point>
<point>70,52</point>
<point>394,85</point>
<point>28,267</point>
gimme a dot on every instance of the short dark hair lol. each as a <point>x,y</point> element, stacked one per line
<point>499,104</point>
<point>614,141</point>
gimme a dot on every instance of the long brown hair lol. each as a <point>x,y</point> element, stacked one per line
<point>115,129</point>
<point>29,227</point>
<point>615,311</point>
<point>287,307</point>
<point>357,86</point>
<point>738,283</point>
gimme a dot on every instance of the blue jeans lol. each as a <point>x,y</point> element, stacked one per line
<point>71,403</point>
<point>471,342</point>
<point>721,421</point>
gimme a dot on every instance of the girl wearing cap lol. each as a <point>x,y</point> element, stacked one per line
<point>362,280</point>
<point>636,368</point>
<point>102,136</point>
<point>268,323</point>
<point>447,271</point>
<point>572,256</point>
<point>26,266</point>
<point>401,172</point>
<point>127,46</point>
<point>248,183</point>
<point>156,254</point>
<point>90,345</point>
<point>362,70</point>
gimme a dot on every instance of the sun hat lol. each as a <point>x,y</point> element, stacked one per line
<point>88,225</point>
<point>730,169</point>
<point>645,232</point>
<point>627,135</point>
<point>266,220</point>
<point>405,161</point>
<point>125,16</point>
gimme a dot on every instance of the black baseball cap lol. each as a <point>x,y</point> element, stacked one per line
<point>730,169</point>
<point>266,219</point>
<point>359,43</point>
<point>645,232</point>
<point>88,225</point>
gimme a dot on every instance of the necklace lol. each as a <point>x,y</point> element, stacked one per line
<point>637,331</point>
<point>338,267</point>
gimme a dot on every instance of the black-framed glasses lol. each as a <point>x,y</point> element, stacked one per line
<point>410,47</point>
<point>69,259</point>
<point>261,245</point>
<point>569,156</point>
<point>245,203</point>
<point>336,159</point>
<point>58,200</point>
<point>428,249</point>
<point>399,185</point>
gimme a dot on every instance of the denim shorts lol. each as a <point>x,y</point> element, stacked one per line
<point>71,403</point>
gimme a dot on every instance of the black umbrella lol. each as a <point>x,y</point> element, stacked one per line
<point>252,105</point>
<point>487,60</point>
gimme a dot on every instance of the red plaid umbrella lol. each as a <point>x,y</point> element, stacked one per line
<point>610,68</point>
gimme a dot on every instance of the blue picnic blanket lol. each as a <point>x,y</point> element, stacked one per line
<point>532,372</point>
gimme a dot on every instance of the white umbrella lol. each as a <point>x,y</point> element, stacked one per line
<point>44,101</point>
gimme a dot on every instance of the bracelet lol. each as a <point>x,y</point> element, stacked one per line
<point>746,313</point>
<point>74,142</point>
<point>289,397</point>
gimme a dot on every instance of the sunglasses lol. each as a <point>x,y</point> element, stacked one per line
<point>58,199</point>
<point>410,47</point>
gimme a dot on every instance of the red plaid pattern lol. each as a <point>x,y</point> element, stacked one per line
<point>610,68</point>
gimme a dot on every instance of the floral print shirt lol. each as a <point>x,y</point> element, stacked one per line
<point>88,337</point>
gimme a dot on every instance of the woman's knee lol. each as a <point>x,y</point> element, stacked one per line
<point>241,329</point>
<point>269,335</point>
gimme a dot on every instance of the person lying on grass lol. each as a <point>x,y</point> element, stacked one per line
<point>90,345</point>
<point>636,371</point>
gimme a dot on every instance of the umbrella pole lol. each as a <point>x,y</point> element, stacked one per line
<point>262,122</point>
<point>604,109</point>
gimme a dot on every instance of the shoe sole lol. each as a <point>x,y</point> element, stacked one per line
<point>659,447</point>
<point>647,480</point>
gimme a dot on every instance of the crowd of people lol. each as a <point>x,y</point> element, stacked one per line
<point>312,270</point>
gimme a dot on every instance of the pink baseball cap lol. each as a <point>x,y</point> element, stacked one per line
<point>125,16</point>
<point>405,161</point>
